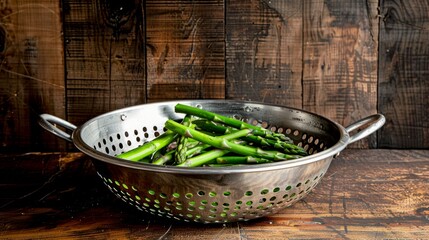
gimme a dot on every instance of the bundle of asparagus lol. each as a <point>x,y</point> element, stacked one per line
<point>205,138</point>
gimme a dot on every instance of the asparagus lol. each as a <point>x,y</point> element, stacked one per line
<point>222,165</point>
<point>286,147</point>
<point>193,162</point>
<point>149,148</point>
<point>218,127</point>
<point>203,158</point>
<point>167,157</point>
<point>193,147</point>
<point>180,154</point>
<point>210,156</point>
<point>232,135</point>
<point>212,141</point>
<point>240,160</point>
<point>222,143</point>
<point>181,108</point>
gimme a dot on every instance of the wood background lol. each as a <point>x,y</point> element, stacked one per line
<point>59,196</point>
<point>342,59</point>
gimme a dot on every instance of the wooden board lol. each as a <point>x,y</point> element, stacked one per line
<point>365,194</point>
<point>404,74</point>
<point>185,55</point>
<point>264,51</point>
<point>340,60</point>
<point>105,52</point>
<point>31,73</point>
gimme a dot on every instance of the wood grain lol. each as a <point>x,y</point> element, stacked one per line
<point>264,51</point>
<point>185,55</point>
<point>31,73</point>
<point>340,60</point>
<point>404,74</point>
<point>105,57</point>
<point>365,194</point>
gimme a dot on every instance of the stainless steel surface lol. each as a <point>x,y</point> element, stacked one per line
<point>206,194</point>
<point>50,123</point>
<point>373,123</point>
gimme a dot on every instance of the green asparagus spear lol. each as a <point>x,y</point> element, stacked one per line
<point>240,160</point>
<point>149,148</point>
<point>228,135</point>
<point>190,142</point>
<point>210,156</point>
<point>284,146</point>
<point>200,159</point>
<point>213,126</point>
<point>222,165</point>
<point>180,154</point>
<point>222,143</point>
<point>203,158</point>
<point>167,157</point>
<point>182,108</point>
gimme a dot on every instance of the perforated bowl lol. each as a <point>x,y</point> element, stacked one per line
<point>204,194</point>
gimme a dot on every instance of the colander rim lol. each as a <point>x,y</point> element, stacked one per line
<point>80,144</point>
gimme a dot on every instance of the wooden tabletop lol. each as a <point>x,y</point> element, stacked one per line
<point>366,194</point>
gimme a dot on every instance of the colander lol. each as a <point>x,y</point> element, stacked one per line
<point>210,194</point>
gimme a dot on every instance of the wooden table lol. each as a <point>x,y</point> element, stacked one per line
<point>366,194</point>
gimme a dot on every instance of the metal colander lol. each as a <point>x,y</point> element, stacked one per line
<point>210,194</point>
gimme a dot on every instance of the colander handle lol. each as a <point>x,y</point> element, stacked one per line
<point>372,123</point>
<point>50,122</point>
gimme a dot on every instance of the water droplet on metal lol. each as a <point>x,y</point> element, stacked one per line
<point>123,117</point>
<point>247,109</point>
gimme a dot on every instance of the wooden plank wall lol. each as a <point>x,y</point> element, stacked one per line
<point>342,59</point>
<point>403,77</point>
<point>31,73</point>
<point>185,49</point>
<point>264,51</point>
<point>105,57</point>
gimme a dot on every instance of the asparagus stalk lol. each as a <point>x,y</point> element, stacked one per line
<point>221,143</point>
<point>203,158</point>
<point>240,160</point>
<point>210,156</point>
<point>182,108</point>
<point>200,159</point>
<point>180,154</point>
<point>149,148</point>
<point>213,126</point>
<point>228,135</point>
<point>286,147</point>
<point>222,165</point>
<point>167,157</point>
